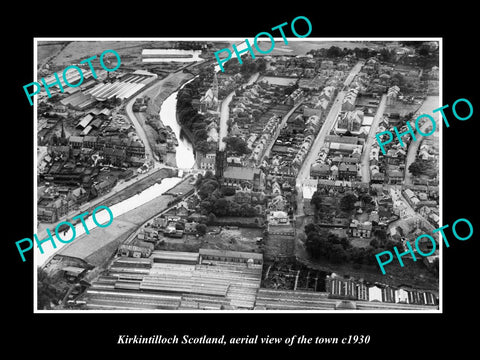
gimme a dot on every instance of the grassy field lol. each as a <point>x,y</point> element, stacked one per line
<point>297,46</point>
<point>44,50</point>
<point>129,51</point>
<point>282,81</point>
<point>242,239</point>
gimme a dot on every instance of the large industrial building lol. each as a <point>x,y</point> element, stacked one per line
<point>213,279</point>
<point>207,280</point>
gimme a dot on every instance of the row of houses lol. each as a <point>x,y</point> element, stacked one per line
<point>339,159</point>
<point>341,288</point>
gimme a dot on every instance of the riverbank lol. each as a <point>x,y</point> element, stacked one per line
<point>158,93</point>
<point>99,246</point>
<point>112,198</point>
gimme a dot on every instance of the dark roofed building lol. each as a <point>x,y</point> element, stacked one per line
<point>89,141</point>
<point>115,156</point>
<point>342,139</point>
<point>75,141</point>
<point>240,176</point>
<point>320,171</point>
<point>230,256</point>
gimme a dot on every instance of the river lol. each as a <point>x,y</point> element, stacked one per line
<point>185,160</point>
<point>184,155</point>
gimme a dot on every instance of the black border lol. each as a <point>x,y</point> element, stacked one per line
<point>421,333</point>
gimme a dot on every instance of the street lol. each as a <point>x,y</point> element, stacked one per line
<point>224,113</point>
<point>277,131</point>
<point>365,164</point>
<point>427,107</point>
<point>304,172</point>
<point>138,128</point>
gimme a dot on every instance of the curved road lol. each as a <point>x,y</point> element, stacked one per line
<point>139,129</point>
<point>426,108</point>
<point>224,113</point>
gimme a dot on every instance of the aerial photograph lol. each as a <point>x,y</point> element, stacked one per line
<point>260,183</point>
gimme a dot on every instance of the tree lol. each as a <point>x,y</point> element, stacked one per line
<point>315,245</point>
<point>387,55</point>
<point>209,174</point>
<point>247,210</point>
<point>316,200</point>
<point>337,253</point>
<point>46,292</point>
<point>221,207</point>
<point>334,51</point>
<point>201,229</point>
<point>207,187</point>
<point>203,146</point>
<point>347,203</point>
<point>418,168</point>
<point>310,228</point>
<point>228,191</point>
<point>366,199</point>
<point>199,180</point>
<point>200,134</point>
<point>236,145</point>
<point>423,51</point>
<point>207,206</point>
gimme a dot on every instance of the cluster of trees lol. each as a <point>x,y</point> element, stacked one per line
<point>336,52</point>
<point>323,244</point>
<point>188,117</point>
<point>348,201</point>
<point>213,201</point>
<point>201,229</point>
<point>423,167</point>
<point>46,292</point>
<point>236,145</point>
<point>190,45</point>
<point>426,58</point>
<point>248,67</point>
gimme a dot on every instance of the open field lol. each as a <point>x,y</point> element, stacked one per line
<point>401,108</point>
<point>281,81</point>
<point>45,50</point>
<point>296,46</point>
<point>241,239</point>
<point>129,51</point>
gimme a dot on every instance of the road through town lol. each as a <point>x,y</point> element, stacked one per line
<point>224,113</point>
<point>365,164</point>
<point>304,172</point>
<point>427,107</point>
